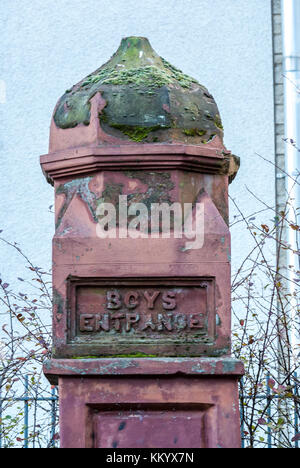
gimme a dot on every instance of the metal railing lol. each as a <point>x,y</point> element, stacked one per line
<point>27,399</point>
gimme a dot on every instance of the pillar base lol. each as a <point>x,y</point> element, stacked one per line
<point>148,402</point>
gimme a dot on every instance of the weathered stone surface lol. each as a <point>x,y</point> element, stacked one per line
<point>150,411</point>
<point>87,269</point>
<point>138,366</point>
<point>146,99</point>
<point>150,317</point>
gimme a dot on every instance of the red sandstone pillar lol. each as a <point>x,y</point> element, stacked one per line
<point>141,318</point>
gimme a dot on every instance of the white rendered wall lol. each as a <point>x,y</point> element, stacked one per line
<point>49,45</point>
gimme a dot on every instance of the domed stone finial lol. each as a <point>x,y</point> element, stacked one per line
<point>144,99</point>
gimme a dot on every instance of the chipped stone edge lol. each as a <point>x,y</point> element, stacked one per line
<point>227,366</point>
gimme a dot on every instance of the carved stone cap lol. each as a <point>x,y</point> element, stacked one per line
<point>137,97</point>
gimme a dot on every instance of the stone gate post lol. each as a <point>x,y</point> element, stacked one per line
<point>141,260</point>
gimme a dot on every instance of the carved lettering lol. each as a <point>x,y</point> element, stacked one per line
<point>113,300</point>
<point>144,313</point>
<point>117,321</point>
<point>181,321</point>
<point>131,299</point>
<point>165,321</point>
<point>148,323</point>
<point>87,323</point>
<point>102,322</point>
<point>195,321</point>
<point>169,302</point>
<point>136,322</point>
<point>130,320</point>
<point>151,299</point>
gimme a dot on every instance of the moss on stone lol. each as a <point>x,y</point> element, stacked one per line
<point>134,64</point>
<point>85,357</point>
<point>151,77</point>
<point>144,94</point>
<point>136,133</point>
<point>184,80</point>
<point>131,355</point>
<point>218,122</point>
<point>194,132</point>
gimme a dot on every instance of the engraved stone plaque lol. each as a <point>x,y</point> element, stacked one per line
<point>151,316</point>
